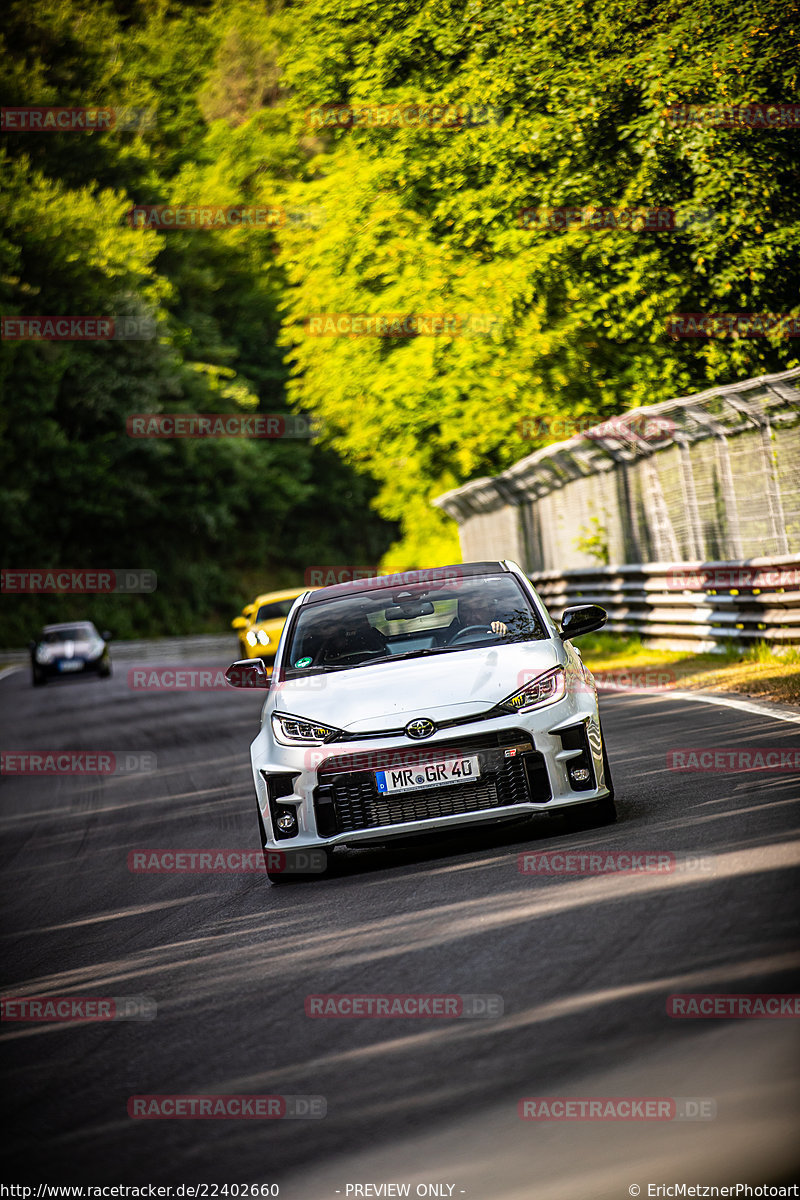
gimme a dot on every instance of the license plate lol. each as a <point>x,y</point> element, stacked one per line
<point>70,664</point>
<point>435,774</point>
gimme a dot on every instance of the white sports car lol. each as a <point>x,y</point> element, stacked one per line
<point>410,704</point>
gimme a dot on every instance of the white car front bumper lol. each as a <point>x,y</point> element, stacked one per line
<point>332,794</point>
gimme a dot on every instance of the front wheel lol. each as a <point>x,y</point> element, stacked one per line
<point>598,812</point>
<point>592,816</point>
<point>278,877</point>
<point>282,877</point>
<point>38,677</point>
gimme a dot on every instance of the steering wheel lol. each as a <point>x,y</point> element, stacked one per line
<point>471,629</point>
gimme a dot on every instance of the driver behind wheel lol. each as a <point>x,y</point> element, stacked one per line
<point>478,610</point>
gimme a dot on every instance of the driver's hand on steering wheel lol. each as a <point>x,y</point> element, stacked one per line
<point>499,627</point>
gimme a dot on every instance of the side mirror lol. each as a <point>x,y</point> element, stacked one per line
<point>32,646</point>
<point>248,610</point>
<point>582,618</point>
<point>247,673</point>
<point>239,623</point>
<point>106,636</point>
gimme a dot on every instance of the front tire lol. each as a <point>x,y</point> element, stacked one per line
<point>38,678</point>
<point>598,812</point>
<point>283,877</point>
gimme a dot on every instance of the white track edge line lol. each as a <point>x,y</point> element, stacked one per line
<point>749,706</point>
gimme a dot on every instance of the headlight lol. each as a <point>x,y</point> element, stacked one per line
<point>250,638</point>
<point>44,654</point>
<point>299,731</point>
<point>545,689</point>
<point>262,637</point>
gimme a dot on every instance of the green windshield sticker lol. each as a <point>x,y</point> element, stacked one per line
<point>303,662</point>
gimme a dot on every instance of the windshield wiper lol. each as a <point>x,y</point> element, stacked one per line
<point>371,662</point>
<point>420,653</point>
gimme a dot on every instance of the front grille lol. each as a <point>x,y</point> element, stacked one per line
<point>346,800</point>
<point>380,760</point>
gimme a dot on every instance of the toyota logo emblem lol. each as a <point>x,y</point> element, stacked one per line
<point>420,727</point>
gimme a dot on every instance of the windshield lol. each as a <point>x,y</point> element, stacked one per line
<point>275,610</point>
<point>76,633</point>
<point>410,621</point>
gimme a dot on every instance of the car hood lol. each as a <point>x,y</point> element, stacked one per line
<point>80,648</point>
<point>389,694</point>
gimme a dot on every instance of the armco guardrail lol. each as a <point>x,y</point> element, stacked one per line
<point>700,605</point>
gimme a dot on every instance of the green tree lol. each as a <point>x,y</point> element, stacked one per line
<point>423,220</point>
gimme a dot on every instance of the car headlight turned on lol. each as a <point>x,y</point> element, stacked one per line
<point>250,638</point>
<point>44,654</point>
<point>262,637</point>
<point>545,689</point>
<point>299,731</point>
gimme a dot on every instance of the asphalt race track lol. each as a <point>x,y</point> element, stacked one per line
<point>584,966</point>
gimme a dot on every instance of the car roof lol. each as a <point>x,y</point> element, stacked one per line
<point>67,625</point>
<point>286,594</point>
<point>406,578</point>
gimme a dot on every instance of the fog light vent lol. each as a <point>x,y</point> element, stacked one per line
<point>284,816</point>
<point>580,772</point>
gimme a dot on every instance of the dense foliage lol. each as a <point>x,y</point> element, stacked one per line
<point>218,520</point>
<point>382,219</point>
<point>427,220</point>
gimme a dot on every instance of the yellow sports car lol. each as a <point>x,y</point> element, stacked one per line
<point>260,625</point>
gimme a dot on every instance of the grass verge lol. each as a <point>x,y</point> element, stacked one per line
<point>756,672</point>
